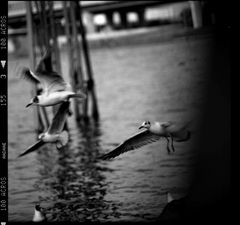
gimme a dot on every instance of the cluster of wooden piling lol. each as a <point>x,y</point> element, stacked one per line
<point>42,30</point>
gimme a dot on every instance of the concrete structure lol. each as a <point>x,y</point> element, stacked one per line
<point>196,10</point>
<point>99,14</point>
<point>105,16</point>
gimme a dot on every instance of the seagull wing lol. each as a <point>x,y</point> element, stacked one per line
<point>179,131</point>
<point>45,63</point>
<point>52,81</point>
<point>59,119</point>
<point>29,75</point>
<point>33,148</point>
<point>134,142</point>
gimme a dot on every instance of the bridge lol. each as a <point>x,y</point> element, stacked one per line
<point>17,13</point>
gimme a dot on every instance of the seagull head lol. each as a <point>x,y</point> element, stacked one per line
<point>34,101</point>
<point>38,207</point>
<point>145,124</point>
<point>39,215</point>
<point>41,136</point>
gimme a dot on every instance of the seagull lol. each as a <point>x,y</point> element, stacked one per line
<point>169,197</point>
<point>54,134</point>
<point>55,89</point>
<point>175,209</point>
<point>39,215</point>
<point>152,132</point>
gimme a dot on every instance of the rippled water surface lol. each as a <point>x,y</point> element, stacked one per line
<point>154,81</point>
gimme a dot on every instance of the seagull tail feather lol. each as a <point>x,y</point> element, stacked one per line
<point>64,138</point>
<point>79,95</point>
<point>188,136</point>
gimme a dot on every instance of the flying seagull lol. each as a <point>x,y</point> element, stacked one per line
<point>152,132</point>
<point>55,89</point>
<point>54,134</point>
<point>39,215</point>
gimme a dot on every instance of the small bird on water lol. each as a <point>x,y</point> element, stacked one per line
<point>169,197</point>
<point>175,209</point>
<point>55,89</point>
<point>152,132</point>
<point>39,215</point>
<point>54,134</point>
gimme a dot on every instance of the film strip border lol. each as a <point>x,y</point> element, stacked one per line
<point>3,113</point>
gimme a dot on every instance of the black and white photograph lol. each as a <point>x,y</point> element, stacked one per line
<point>115,112</point>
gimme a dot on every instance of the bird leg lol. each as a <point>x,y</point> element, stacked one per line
<point>168,149</point>
<point>173,149</point>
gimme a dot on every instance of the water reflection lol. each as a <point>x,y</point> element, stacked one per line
<point>72,185</point>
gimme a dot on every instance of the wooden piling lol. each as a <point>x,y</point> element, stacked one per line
<point>39,123</point>
<point>78,73</point>
<point>46,17</point>
<point>76,43</point>
<point>47,37</point>
<point>39,41</point>
<point>70,57</point>
<point>196,11</point>
<point>91,85</point>
<point>42,27</point>
<point>45,23</point>
<point>55,55</point>
<point>45,116</point>
<point>54,37</point>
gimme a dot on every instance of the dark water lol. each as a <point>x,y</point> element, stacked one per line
<point>156,82</point>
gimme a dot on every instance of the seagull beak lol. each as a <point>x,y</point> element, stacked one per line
<point>141,127</point>
<point>29,104</point>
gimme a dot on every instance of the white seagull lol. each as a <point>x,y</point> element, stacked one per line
<point>55,89</point>
<point>169,197</point>
<point>39,215</point>
<point>54,134</point>
<point>153,132</point>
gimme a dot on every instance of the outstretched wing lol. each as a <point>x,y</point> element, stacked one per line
<point>134,142</point>
<point>29,75</point>
<point>33,148</point>
<point>59,119</point>
<point>50,79</point>
<point>45,63</point>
